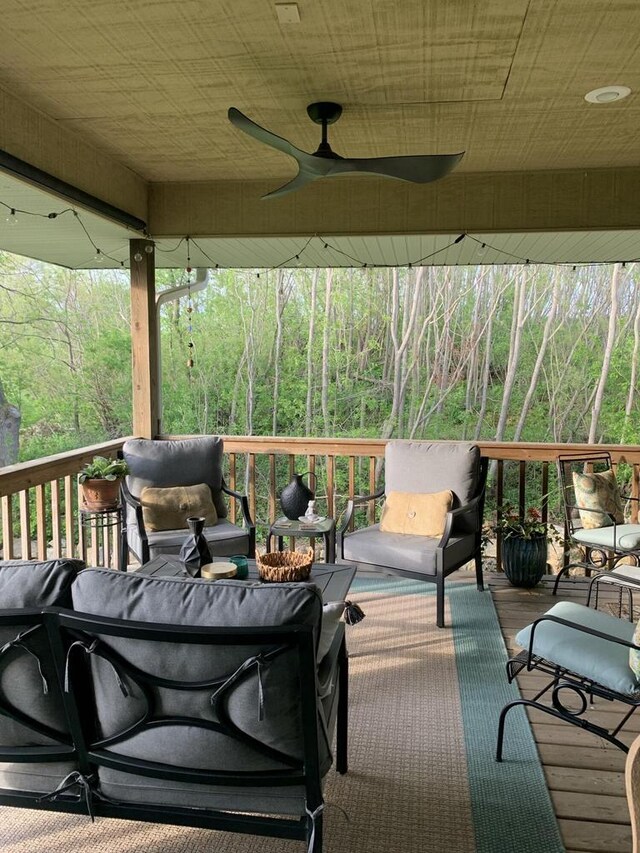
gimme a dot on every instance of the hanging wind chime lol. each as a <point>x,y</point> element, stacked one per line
<point>190,346</point>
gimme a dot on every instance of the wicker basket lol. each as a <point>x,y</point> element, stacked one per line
<point>285,565</point>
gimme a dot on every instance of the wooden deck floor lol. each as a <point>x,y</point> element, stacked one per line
<point>585,774</point>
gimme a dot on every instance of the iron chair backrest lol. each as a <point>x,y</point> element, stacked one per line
<point>596,462</point>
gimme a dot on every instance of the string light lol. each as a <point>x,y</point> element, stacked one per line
<point>13,214</point>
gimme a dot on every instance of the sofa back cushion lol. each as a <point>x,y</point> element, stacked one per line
<point>263,703</point>
<point>27,675</point>
<point>426,467</point>
<point>182,462</point>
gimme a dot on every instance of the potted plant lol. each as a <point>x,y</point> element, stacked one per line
<point>524,544</point>
<point>100,481</point>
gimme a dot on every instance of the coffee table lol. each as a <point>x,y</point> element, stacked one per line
<point>326,528</point>
<point>333,581</point>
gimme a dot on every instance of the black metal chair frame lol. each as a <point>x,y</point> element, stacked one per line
<point>127,499</point>
<point>596,558</point>
<point>471,514</point>
<point>82,745</point>
<point>564,679</point>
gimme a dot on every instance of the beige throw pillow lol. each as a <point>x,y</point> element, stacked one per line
<point>598,491</point>
<point>169,508</point>
<point>420,515</point>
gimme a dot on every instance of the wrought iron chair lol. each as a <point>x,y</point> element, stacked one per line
<point>183,462</point>
<point>585,652</point>
<point>421,467</point>
<point>600,532</point>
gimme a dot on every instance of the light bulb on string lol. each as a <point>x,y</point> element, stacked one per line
<point>137,257</point>
<point>149,248</point>
<point>11,216</point>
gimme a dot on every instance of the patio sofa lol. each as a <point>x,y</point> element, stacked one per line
<point>168,700</point>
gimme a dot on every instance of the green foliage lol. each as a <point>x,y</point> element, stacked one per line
<point>101,468</point>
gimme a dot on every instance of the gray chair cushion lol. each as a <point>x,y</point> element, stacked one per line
<point>26,584</point>
<point>182,462</point>
<point>425,467</point>
<point>399,551</point>
<point>200,603</point>
<point>224,539</point>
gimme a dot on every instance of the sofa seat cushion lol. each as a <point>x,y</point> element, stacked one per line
<point>224,540</point>
<point>594,658</point>
<point>627,537</point>
<point>263,703</point>
<point>411,553</point>
<point>34,777</point>
<point>129,788</point>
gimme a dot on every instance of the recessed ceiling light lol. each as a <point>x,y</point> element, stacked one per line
<point>607,94</point>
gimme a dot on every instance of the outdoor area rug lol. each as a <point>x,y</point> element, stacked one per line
<point>422,775</point>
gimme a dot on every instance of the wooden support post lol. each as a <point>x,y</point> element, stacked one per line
<point>144,339</point>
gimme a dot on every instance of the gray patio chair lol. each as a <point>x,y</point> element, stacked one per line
<point>595,523</point>
<point>184,462</point>
<point>420,467</point>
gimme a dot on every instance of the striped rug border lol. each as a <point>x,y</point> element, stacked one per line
<point>511,805</point>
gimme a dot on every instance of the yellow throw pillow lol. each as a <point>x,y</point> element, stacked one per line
<point>169,508</point>
<point>420,515</point>
<point>598,491</point>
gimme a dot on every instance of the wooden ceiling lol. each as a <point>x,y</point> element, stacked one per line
<point>122,97</point>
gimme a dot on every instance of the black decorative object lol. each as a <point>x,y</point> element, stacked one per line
<point>353,613</point>
<point>524,560</point>
<point>195,551</point>
<point>296,496</point>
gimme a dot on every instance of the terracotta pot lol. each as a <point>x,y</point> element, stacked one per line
<point>99,495</point>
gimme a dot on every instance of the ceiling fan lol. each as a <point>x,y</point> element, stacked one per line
<point>325,163</point>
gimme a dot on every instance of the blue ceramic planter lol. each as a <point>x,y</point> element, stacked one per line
<point>524,560</point>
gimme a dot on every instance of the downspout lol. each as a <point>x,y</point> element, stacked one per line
<point>170,295</point>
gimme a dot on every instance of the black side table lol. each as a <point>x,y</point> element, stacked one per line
<point>282,527</point>
<point>104,520</point>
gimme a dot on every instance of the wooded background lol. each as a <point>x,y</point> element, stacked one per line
<point>524,352</point>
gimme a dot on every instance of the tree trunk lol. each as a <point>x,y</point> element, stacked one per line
<point>514,352</point>
<point>308,422</point>
<point>606,360</point>
<point>325,353</point>
<point>9,431</point>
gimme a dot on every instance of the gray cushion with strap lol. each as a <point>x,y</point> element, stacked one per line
<point>187,601</point>
<point>32,584</point>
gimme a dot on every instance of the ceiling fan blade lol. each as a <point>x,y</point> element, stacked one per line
<point>249,127</point>
<point>301,179</point>
<point>419,169</point>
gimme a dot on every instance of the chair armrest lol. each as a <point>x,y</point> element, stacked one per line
<point>351,504</point>
<point>129,500</point>
<point>244,504</point>
<point>470,511</point>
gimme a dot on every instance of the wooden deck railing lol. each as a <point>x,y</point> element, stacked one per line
<point>39,499</point>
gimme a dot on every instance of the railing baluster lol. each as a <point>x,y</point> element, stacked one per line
<point>7,527</point>
<point>82,539</point>
<point>635,493</point>
<point>272,487</point>
<point>41,523</point>
<point>25,525</point>
<point>522,487</point>
<point>232,485</point>
<point>352,484</point>
<point>331,469</point>
<point>69,527</point>
<point>545,492</point>
<point>499,499</point>
<point>371,509</point>
<point>56,538</point>
<point>252,485</point>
